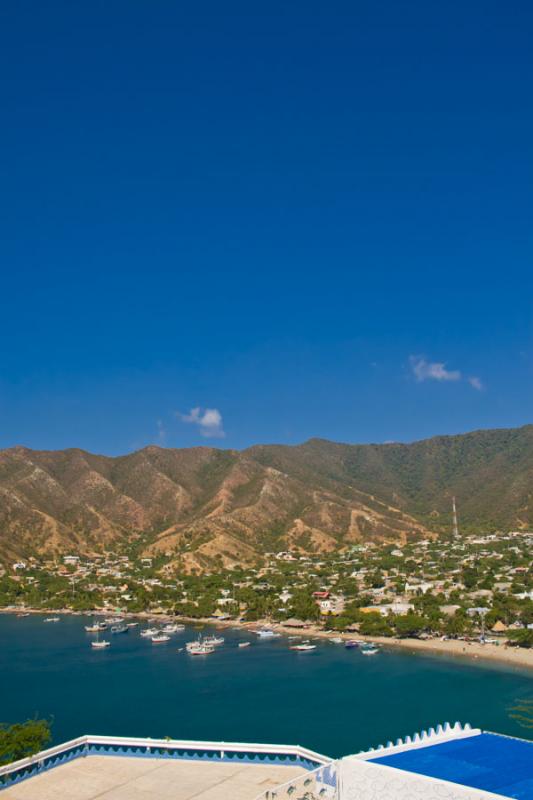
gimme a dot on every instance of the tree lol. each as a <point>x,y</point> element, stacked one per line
<point>374,624</point>
<point>456,625</point>
<point>302,606</point>
<point>523,638</point>
<point>23,739</point>
<point>410,625</point>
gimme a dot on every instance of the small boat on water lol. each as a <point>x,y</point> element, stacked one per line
<point>200,649</point>
<point>336,640</point>
<point>267,633</point>
<point>51,619</point>
<point>244,644</point>
<point>171,627</point>
<point>214,641</point>
<point>160,638</point>
<point>114,620</point>
<point>304,647</point>
<point>351,643</point>
<point>26,614</point>
<point>147,633</point>
<point>96,626</point>
<point>369,650</point>
<point>100,644</point>
<point>119,629</point>
<point>132,624</point>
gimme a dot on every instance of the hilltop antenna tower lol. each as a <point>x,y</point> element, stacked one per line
<point>455,525</point>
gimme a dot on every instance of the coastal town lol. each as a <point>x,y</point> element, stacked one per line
<point>475,589</point>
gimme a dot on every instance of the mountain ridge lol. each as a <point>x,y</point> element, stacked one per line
<point>206,506</point>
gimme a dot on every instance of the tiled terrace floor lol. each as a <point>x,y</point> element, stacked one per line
<point>120,778</point>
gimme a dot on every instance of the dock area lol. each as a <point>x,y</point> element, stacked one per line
<point>117,778</point>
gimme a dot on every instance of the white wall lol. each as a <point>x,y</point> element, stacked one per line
<point>363,780</point>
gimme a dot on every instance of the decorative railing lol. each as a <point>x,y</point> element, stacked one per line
<point>319,784</point>
<point>442,733</point>
<point>290,755</point>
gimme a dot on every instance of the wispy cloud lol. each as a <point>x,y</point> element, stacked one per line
<point>161,432</point>
<point>425,370</point>
<point>208,420</point>
<point>476,383</point>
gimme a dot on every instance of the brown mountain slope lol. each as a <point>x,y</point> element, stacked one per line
<point>205,506</point>
<point>201,505</point>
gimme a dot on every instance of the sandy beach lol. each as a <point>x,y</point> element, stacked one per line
<point>472,651</point>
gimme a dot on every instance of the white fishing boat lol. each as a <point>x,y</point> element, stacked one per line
<point>51,619</point>
<point>96,626</point>
<point>119,629</point>
<point>132,624</point>
<point>26,614</point>
<point>244,644</point>
<point>336,640</point>
<point>215,641</point>
<point>100,644</point>
<point>160,638</point>
<point>267,633</point>
<point>369,650</point>
<point>147,633</point>
<point>200,649</point>
<point>114,620</point>
<point>172,627</point>
<point>304,647</point>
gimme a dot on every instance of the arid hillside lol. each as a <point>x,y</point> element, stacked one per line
<point>206,506</point>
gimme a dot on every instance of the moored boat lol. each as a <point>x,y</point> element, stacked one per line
<point>51,619</point>
<point>304,647</point>
<point>119,629</point>
<point>267,633</point>
<point>100,644</point>
<point>200,649</point>
<point>214,641</point>
<point>147,633</point>
<point>96,626</point>
<point>160,638</point>
<point>244,644</point>
<point>172,627</point>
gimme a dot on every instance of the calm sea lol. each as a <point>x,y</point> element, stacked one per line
<point>333,700</point>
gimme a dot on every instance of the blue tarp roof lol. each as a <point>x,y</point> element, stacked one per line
<point>487,761</point>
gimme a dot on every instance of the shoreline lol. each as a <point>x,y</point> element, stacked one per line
<point>472,652</point>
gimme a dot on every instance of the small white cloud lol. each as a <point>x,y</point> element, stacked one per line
<point>424,370</point>
<point>161,432</point>
<point>208,420</point>
<point>476,383</point>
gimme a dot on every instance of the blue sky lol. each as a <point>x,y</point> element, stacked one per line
<point>230,223</point>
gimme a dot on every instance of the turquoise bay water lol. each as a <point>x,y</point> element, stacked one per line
<point>333,700</point>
